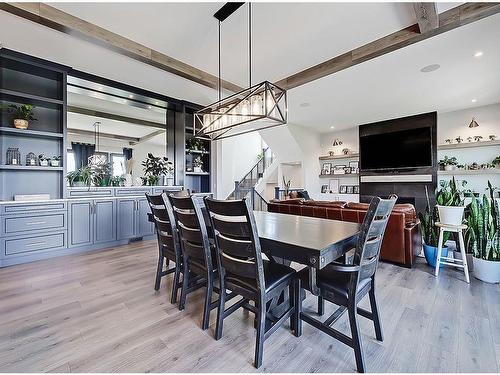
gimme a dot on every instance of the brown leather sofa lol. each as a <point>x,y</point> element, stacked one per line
<point>402,240</point>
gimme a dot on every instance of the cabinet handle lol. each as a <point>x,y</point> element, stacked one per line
<point>36,244</point>
<point>36,222</point>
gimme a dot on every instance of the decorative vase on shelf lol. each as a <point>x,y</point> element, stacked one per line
<point>449,167</point>
<point>21,124</point>
<point>197,169</point>
<point>13,156</point>
<point>128,182</point>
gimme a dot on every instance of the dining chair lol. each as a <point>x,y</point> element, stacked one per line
<point>168,241</point>
<point>346,284</point>
<point>199,265</point>
<point>243,271</point>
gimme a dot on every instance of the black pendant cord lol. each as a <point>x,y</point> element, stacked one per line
<point>220,86</point>
<point>250,44</point>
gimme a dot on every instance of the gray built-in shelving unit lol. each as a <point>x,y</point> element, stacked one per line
<point>28,80</point>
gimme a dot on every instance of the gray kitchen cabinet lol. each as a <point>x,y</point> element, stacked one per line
<point>132,218</point>
<point>144,227</point>
<point>92,222</point>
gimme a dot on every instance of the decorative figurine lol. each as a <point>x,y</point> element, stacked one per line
<point>13,156</point>
<point>345,151</point>
<point>469,139</point>
<point>331,153</point>
<point>459,139</point>
<point>447,141</point>
<point>478,138</point>
<point>492,137</point>
<point>31,159</point>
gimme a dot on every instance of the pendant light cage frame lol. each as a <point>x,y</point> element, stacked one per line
<point>259,107</point>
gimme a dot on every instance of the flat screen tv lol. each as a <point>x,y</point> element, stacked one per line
<point>396,150</point>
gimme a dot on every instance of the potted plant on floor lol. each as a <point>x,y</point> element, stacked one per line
<point>448,164</point>
<point>450,203</point>
<point>430,234</point>
<point>22,114</point>
<point>80,178</point>
<point>483,237</point>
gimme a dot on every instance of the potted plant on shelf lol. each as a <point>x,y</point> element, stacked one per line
<point>101,174</point>
<point>155,167</point>
<point>81,177</point>
<point>44,161</point>
<point>22,114</point>
<point>430,234</point>
<point>496,162</point>
<point>117,181</point>
<point>448,164</point>
<point>55,161</point>
<point>195,144</point>
<point>450,203</point>
<point>198,165</point>
<point>483,237</point>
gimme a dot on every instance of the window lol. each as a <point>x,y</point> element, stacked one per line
<point>118,164</point>
<point>70,161</point>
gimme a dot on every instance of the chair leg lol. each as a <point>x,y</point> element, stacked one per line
<point>321,306</point>
<point>208,302</point>
<point>259,343</point>
<point>375,313</point>
<point>440,246</point>
<point>291,302</point>
<point>356,338</point>
<point>159,270</point>
<point>175,285</point>
<point>298,308</point>
<point>220,310</point>
<point>185,285</point>
<point>464,256</point>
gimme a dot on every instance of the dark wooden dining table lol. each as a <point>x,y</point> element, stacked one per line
<point>311,241</point>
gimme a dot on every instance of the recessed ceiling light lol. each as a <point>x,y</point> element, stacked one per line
<point>474,100</point>
<point>305,104</point>
<point>99,88</point>
<point>478,54</point>
<point>149,107</point>
<point>430,68</point>
<point>332,127</point>
<point>131,96</point>
<point>157,103</point>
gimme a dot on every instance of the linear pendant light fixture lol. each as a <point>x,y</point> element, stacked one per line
<point>258,107</point>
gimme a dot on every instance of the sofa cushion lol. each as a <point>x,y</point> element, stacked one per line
<point>405,208</point>
<point>303,194</point>
<point>293,195</point>
<point>336,204</point>
<point>358,206</point>
<point>288,201</point>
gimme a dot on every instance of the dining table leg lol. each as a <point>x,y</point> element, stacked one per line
<point>312,281</point>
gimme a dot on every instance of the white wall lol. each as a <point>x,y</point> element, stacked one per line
<point>235,157</point>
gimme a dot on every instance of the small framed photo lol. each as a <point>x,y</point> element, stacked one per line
<point>343,189</point>
<point>324,188</point>
<point>350,189</point>
<point>326,168</point>
<point>334,186</point>
<point>356,189</point>
<point>339,169</point>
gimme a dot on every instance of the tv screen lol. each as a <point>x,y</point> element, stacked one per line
<point>401,149</point>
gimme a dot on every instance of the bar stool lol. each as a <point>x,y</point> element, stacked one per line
<point>462,263</point>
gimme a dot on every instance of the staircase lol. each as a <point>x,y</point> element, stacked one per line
<point>246,186</point>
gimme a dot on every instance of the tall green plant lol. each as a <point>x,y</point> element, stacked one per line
<point>483,233</point>
<point>450,194</point>
<point>428,218</point>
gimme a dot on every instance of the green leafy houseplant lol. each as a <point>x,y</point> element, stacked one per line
<point>154,167</point>
<point>286,186</point>
<point>496,162</point>
<point>117,180</point>
<point>80,177</point>
<point>101,174</point>
<point>450,203</point>
<point>195,144</point>
<point>448,163</point>
<point>22,114</point>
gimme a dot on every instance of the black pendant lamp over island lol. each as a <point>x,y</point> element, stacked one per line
<point>258,107</point>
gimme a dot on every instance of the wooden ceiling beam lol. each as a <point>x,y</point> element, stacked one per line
<point>427,16</point>
<point>64,22</point>
<point>448,20</point>
<point>147,137</point>
<point>114,117</point>
<point>90,133</point>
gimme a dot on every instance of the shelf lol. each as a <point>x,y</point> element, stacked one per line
<point>339,175</point>
<point>197,152</point>
<point>30,168</point>
<point>30,97</point>
<point>455,146</point>
<point>30,133</point>
<point>469,172</point>
<point>197,173</point>
<point>334,157</point>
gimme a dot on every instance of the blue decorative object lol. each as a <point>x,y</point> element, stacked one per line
<point>430,253</point>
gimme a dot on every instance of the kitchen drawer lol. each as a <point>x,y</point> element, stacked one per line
<point>27,244</point>
<point>14,208</point>
<point>86,192</point>
<point>166,189</point>
<point>24,224</point>
<point>127,192</point>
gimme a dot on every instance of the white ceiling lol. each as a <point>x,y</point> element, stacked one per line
<point>289,37</point>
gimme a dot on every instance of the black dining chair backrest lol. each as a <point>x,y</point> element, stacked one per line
<point>236,240</point>
<point>192,228</point>
<point>371,235</point>
<point>164,220</point>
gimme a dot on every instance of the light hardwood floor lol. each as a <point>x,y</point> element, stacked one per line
<point>98,312</point>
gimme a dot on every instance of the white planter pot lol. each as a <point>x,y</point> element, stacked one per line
<point>451,215</point>
<point>54,163</point>
<point>197,169</point>
<point>128,180</point>
<point>44,163</point>
<point>487,270</point>
<point>449,167</point>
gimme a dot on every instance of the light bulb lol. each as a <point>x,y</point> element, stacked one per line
<point>206,119</point>
<point>256,102</point>
<point>224,118</point>
<point>271,110</point>
<point>245,110</point>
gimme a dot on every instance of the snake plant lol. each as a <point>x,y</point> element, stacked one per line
<point>483,233</point>
<point>428,218</point>
<point>450,194</point>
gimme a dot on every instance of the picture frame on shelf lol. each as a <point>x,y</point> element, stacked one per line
<point>356,189</point>
<point>350,189</point>
<point>343,189</point>
<point>339,169</point>
<point>326,168</point>
<point>324,188</point>
<point>334,186</point>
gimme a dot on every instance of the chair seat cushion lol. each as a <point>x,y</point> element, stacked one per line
<point>333,281</point>
<point>274,275</point>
